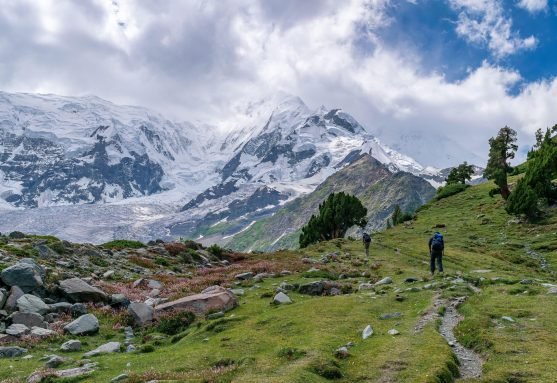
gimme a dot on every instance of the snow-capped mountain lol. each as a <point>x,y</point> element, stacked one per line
<point>150,176</point>
<point>63,150</point>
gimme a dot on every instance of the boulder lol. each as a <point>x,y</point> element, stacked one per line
<point>38,376</point>
<point>54,361</point>
<point>390,316</point>
<point>342,352</point>
<point>11,352</point>
<point>28,303</point>
<point>106,348</point>
<point>78,290</point>
<point>244,276</point>
<point>22,274</point>
<point>368,331</point>
<point>78,309</point>
<point>281,298</point>
<point>141,313</point>
<point>11,302</point>
<point>119,300</point>
<point>86,324</point>
<point>154,284</point>
<point>17,330</point>
<point>384,281</point>
<point>217,299</point>
<point>60,307</point>
<point>3,297</point>
<point>42,332</point>
<point>393,332</point>
<point>313,288</point>
<point>71,345</point>
<point>237,292</point>
<point>28,319</point>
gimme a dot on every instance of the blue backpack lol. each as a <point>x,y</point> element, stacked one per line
<point>437,242</point>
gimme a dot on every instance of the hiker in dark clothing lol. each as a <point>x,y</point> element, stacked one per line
<point>366,239</point>
<point>436,252</point>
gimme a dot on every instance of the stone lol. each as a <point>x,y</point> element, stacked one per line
<point>42,332</point>
<point>86,369</point>
<point>368,331</point>
<point>3,297</point>
<point>384,281</point>
<point>141,313</point>
<point>527,282</point>
<point>45,251</point>
<point>244,276</point>
<point>71,345</point>
<point>342,352</point>
<point>335,291</point>
<point>77,290</point>
<point>286,286</point>
<point>365,286</point>
<point>400,298</point>
<point>281,298</point>
<point>11,302</point>
<point>552,291</point>
<point>217,299</point>
<point>24,274</point>
<point>17,330</point>
<point>312,288</point>
<point>238,292</point>
<point>109,274</point>
<point>12,351</point>
<point>393,332</point>
<point>28,319</point>
<point>28,303</point>
<point>54,361</point>
<point>78,309</point>
<point>411,280</point>
<point>119,300</point>
<point>216,315</point>
<point>285,272</point>
<point>390,316</point>
<point>261,276</point>
<point>60,307</point>
<point>153,301</point>
<point>119,378</point>
<point>508,319</point>
<point>86,324</point>
<point>154,293</point>
<point>154,284</point>
<point>106,348</point>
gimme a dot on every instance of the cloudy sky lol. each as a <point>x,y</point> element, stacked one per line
<point>457,68</point>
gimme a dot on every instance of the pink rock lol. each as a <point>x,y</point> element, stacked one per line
<point>216,299</point>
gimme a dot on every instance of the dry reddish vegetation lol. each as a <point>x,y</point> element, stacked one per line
<point>143,262</point>
<point>175,248</point>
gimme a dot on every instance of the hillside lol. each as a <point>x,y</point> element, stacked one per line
<point>373,183</point>
<point>501,271</point>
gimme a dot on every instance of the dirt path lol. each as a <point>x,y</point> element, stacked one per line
<point>470,362</point>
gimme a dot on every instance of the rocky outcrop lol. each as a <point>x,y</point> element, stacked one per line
<point>24,275</point>
<point>77,290</point>
<point>86,324</point>
<point>141,313</point>
<point>214,299</point>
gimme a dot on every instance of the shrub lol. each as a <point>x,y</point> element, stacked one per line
<point>523,201</point>
<point>216,250</point>
<point>58,247</point>
<point>449,190</point>
<point>192,244</point>
<point>143,262</point>
<point>147,348</point>
<point>162,261</point>
<point>16,235</point>
<point>175,248</point>
<point>123,244</point>
<point>175,323</point>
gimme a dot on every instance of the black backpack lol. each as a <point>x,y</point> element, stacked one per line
<point>367,238</point>
<point>437,242</point>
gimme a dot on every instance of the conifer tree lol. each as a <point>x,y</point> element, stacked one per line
<point>397,215</point>
<point>460,174</point>
<point>523,200</point>
<point>501,149</point>
<point>542,168</point>
<point>337,214</point>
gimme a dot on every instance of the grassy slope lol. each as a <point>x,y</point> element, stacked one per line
<point>478,236</point>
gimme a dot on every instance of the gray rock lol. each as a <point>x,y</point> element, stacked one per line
<point>106,348</point>
<point>508,319</point>
<point>22,274</point>
<point>141,313</point>
<point>17,330</point>
<point>552,291</point>
<point>154,284</point>
<point>286,286</point>
<point>119,378</point>
<point>3,297</point>
<point>384,281</point>
<point>28,303</point>
<point>119,300</point>
<point>12,352</point>
<point>238,292</point>
<point>87,369</point>
<point>61,307</point>
<point>244,276</point>
<point>84,325</point>
<point>390,316</point>
<point>78,309</point>
<point>368,331</point>
<point>365,286</point>
<point>109,274</point>
<point>71,345</point>
<point>342,352</point>
<point>393,332</point>
<point>78,290</point>
<point>313,288</point>
<point>281,299</point>
<point>41,332</point>
<point>28,319</point>
<point>45,251</point>
<point>54,361</point>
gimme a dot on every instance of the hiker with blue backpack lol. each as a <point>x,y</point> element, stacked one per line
<point>436,251</point>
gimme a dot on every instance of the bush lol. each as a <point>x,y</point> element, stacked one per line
<point>175,248</point>
<point>291,353</point>
<point>175,324</point>
<point>143,262</point>
<point>123,244</point>
<point>162,261</point>
<point>523,201</point>
<point>449,190</point>
<point>16,235</point>
<point>147,348</point>
<point>216,250</point>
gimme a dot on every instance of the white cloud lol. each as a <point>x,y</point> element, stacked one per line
<point>200,60</point>
<point>533,5</point>
<point>484,22</point>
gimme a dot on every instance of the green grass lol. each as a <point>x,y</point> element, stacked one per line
<point>123,244</point>
<point>259,342</point>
